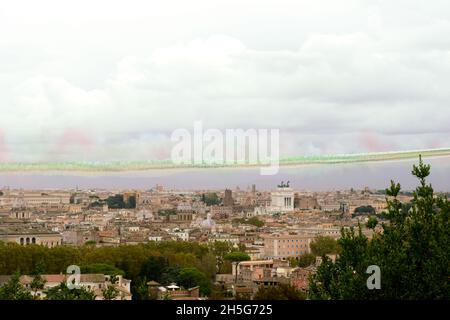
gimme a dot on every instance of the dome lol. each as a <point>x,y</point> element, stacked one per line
<point>208,222</point>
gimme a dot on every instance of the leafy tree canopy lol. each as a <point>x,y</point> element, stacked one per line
<point>279,292</point>
<point>211,199</point>
<point>323,245</point>
<point>251,221</point>
<point>364,210</point>
<point>103,268</point>
<point>412,251</point>
<point>237,256</point>
<point>305,260</point>
<point>192,277</point>
<point>13,290</point>
<point>62,292</point>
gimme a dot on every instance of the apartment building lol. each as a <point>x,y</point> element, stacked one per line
<point>30,235</point>
<point>285,245</point>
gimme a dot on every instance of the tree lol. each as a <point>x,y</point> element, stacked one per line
<point>279,292</point>
<point>36,284</point>
<point>62,292</point>
<point>364,210</point>
<point>192,277</point>
<point>14,290</point>
<point>220,249</point>
<point>170,275</point>
<point>211,199</point>
<point>251,221</point>
<point>372,222</point>
<point>139,289</point>
<point>111,292</point>
<point>154,268</point>
<point>116,202</point>
<point>219,292</point>
<point>305,260</point>
<point>103,268</point>
<point>131,203</point>
<point>166,296</point>
<point>323,245</point>
<point>293,262</point>
<point>127,260</point>
<point>237,256</point>
<point>96,204</point>
<point>411,252</point>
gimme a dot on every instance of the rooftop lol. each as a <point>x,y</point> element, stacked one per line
<point>19,230</point>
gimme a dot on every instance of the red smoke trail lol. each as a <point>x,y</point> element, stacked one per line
<point>372,143</point>
<point>72,138</point>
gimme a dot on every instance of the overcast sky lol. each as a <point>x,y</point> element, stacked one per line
<point>110,80</point>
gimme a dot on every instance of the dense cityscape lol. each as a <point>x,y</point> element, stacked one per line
<point>184,245</point>
<point>246,219</point>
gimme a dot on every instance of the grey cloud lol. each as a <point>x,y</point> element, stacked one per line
<point>365,76</point>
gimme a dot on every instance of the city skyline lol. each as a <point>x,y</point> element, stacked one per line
<point>319,177</point>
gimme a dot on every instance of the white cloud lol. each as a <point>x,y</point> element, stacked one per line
<point>113,84</point>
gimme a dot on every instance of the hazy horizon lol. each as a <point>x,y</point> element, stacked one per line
<point>323,177</point>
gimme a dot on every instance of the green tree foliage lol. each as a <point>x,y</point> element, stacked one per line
<point>220,249</point>
<point>293,262</point>
<point>211,199</point>
<point>126,259</point>
<point>237,256</point>
<point>219,292</point>
<point>364,210</point>
<point>170,275</point>
<point>62,292</point>
<point>116,202</point>
<point>372,222</point>
<point>96,204</point>
<point>192,277</point>
<point>305,260</point>
<point>36,284</point>
<point>103,268</point>
<point>14,290</point>
<point>131,204</point>
<point>279,292</point>
<point>139,289</point>
<point>323,245</point>
<point>154,268</point>
<point>254,221</point>
<point>412,251</point>
<point>111,292</point>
